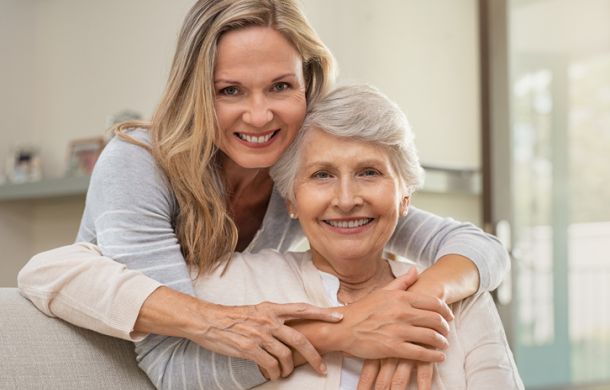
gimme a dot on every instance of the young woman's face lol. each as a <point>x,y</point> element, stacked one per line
<point>347,197</point>
<point>260,95</point>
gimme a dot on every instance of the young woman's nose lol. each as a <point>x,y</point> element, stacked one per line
<point>257,113</point>
<point>347,195</point>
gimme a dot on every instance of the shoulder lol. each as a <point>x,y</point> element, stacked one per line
<point>127,174</point>
<point>120,153</point>
<point>479,308</point>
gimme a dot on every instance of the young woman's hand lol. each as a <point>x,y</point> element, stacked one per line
<point>258,333</point>
<point>392,322</point>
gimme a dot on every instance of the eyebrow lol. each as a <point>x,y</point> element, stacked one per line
<point>324,163</point>
<point>226,81</point>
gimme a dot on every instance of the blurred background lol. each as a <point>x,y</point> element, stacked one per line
<point>509,99</point>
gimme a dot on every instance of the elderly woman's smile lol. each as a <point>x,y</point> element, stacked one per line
<point>347,197</point>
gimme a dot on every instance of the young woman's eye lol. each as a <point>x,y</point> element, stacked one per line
<point>229,91</point>
<point>281,86</point>
<point>370,172</point>
<point>321,175</point>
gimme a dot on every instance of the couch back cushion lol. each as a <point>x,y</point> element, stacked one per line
<point>40,352</point>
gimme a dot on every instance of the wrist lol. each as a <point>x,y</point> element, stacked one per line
<point>324,336</point>
<point>431,287</point>
<point>452,278</point>
<point>170,313</point>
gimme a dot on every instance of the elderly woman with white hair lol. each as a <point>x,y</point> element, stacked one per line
<point>347,178</point>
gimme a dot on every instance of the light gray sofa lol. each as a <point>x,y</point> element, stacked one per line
<point>38,352</point>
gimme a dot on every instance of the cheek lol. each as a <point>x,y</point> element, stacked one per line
<point>294,111</point>
<point>223,114</point>
<point>388,205</point>
<point>310,202</point>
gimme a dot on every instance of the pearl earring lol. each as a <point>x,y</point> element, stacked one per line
<point>293,216</point>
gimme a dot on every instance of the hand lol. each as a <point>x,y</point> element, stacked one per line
<point>394,374</point>
<point>259,333</point>
<point>391,322</point>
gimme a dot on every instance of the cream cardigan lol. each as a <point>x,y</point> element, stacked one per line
<point>478,356</point>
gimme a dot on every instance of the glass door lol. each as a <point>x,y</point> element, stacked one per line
<point>559,186</point>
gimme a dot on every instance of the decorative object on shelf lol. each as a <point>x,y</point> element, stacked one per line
<point>82,155</point>
<point>23,165</point>
<point>123,116</point>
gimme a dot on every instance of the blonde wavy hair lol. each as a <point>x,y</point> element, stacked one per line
<point>184,128</point>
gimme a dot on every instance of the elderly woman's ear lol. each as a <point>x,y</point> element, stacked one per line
<point>404,206</point>
<point>291,210</point>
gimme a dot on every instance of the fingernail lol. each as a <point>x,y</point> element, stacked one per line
<point>323,368</point>
<point>337,316</point>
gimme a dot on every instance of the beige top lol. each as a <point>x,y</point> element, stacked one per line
<point>478,356</point>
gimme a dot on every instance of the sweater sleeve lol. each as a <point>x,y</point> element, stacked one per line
<point>129,214</point>
<point>488,360</point>
<point>424,238</point>
<point>66,282</point>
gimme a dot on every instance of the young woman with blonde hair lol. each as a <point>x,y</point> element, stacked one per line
<point>181,193</point>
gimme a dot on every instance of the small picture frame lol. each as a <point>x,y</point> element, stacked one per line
<point>82,155</point>
<point>23,165</point>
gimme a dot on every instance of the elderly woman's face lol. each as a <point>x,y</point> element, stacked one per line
<point>260,95</point>
<point>347,197</point>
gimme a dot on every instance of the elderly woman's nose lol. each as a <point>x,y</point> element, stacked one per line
<point>347,195</point>
<point>257,112</point>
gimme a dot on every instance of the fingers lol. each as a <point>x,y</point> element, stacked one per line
<point>402,375</point>
<point>368,374</point>
<point>425,372</point>
<point>427,337</point>
<point>426,302</point>
<point>282,355</point>
<point>417,352</point>
<point>431,320</point>
<point>302,345</point>
<point>403,282</point>
<point>386,372</point>
<point>269,366</point>
<point>303,311</point>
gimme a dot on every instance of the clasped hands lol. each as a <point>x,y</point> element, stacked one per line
<point>393,329</point>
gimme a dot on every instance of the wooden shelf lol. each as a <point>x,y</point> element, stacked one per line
<point>44,189</point>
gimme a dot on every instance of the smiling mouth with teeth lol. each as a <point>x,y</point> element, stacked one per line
<point>348,224</point>
<point>253,139</point>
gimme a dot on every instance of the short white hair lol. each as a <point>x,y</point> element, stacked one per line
<point>358,112</point>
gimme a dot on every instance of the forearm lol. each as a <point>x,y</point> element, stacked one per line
<point>324,336</point>
<point>452,278</point>
<point>168,312</point>
<point>78,285</point>
<point>425,238</point>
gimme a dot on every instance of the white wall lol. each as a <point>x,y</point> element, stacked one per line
<point>423,54</point>
<point>16,70</point>
<point>71,64</point>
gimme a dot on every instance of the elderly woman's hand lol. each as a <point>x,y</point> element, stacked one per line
<point>258,333</point>
<point>394,374</point>
<point>391,322</point>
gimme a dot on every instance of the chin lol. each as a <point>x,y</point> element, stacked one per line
<point>347,255</point>
<point>256,163</point>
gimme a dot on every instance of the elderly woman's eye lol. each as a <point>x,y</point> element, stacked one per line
<point>229,91</point>
<point>321,175</point>
<point>370,172</point>
<point>281,86</point>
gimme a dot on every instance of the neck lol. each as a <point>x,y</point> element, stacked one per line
<point>357,277</point>
<point>238,178</point>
